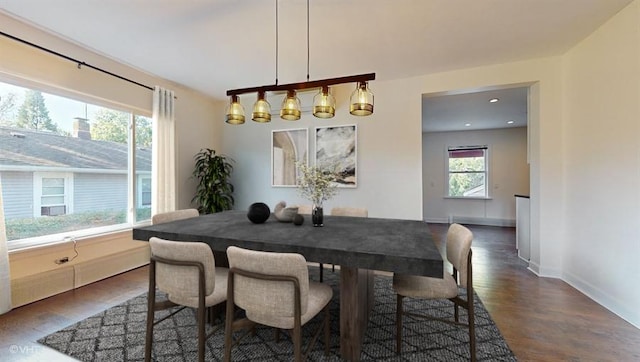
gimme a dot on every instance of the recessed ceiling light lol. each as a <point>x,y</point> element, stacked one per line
<point>510,122</point>
<point>467,124</point>
<point>493,100</point>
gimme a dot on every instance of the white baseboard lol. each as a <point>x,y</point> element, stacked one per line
<point>470,220</point>
<point>629,313</point>
<point>437,220</point>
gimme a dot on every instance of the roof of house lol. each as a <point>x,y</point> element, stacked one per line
<point>26,147</point>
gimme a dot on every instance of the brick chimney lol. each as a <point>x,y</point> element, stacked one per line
<point>81,128</point>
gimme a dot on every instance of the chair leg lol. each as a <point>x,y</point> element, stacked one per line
<point>321,271</point>
<point>472,327</point>
<point>151,301</point>
<point>399,323</point>
<point>297,344</point>
<point>201,335</point>
<point>456,314</point>
<point>228,324</point>
<point>327,331</point>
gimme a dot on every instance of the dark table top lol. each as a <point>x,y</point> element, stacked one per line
<point>402,246</point>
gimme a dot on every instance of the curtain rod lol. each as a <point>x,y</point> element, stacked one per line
<point>79,62</point>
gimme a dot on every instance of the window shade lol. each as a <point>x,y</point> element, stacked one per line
<point>463,152</point>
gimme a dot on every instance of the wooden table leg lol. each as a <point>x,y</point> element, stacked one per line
<point>356,302</point>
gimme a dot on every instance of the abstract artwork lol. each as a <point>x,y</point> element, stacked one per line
<point>336,150</point>
<point>288,147</point>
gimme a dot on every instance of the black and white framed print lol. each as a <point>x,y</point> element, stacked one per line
<point>288,147</point>
<point>336,150</point>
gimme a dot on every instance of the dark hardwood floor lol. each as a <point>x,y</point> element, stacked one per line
<point>542,319</point>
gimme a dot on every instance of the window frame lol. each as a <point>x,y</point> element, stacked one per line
<point>139,190</point>
<point>486,173</point>
<point>38,177</point>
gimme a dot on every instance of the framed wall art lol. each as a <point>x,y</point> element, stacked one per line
<point>336,149</point>
<point>288,147</point>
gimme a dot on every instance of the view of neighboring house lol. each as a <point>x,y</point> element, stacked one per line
<point>47,174</point>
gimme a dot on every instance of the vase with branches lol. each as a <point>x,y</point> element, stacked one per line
<point>317,185</point>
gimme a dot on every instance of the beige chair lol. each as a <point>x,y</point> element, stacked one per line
<point>350,211</point>
<point>186,271</point>
<point>458,251</point>
<point>305,209</point>
<point>274,290</point>
<point>174,215</point>
<point>345,211</point>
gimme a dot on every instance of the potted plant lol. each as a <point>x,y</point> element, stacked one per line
<point>214,192</point>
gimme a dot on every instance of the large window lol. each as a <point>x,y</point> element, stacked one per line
<point>70,168</point>
<point>467,171</point>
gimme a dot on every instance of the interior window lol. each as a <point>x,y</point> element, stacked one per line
<point>467,171</point>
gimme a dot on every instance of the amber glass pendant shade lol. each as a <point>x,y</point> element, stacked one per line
<point>261,110</point>
<point>235,111</point>
<point>324,104</point>
<point>361,100</point>
<point>290,109</point>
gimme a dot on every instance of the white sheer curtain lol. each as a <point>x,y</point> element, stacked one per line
<point>5,277</point>
<point>163,180</point>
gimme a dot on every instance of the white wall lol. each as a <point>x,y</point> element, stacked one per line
<point>602,165</point>
<point>508,175</point>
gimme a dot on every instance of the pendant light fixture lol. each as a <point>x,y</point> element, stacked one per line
<point>290,110</point>
<point>361,100</point>
<point>324,103</point>
<point>235,111</point>
<point>261,110</point>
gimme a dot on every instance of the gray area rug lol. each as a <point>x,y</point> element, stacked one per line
<point>118,334</point>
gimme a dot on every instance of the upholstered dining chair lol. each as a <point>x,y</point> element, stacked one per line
<point>458,252</point>
<point>346,211</point>
<point>350,211</point>
<point>305,209</point>
<point>186,271</point>
<point>174,215</point>
<point>274,290</point>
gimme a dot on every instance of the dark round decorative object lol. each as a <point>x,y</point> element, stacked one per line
<point>258,213</point>
<point>298,220</point>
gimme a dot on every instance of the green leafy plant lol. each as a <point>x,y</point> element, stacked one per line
<point>214,192</point>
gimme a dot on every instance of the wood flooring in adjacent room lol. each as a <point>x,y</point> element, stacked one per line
<point>541,319</point>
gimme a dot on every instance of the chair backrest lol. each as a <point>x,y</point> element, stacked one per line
<point>183,280</point>
<point>458,246</point>
<point>305,209</point>
<point>274,298</point>
<point>350,211</point>
<point>174,215</point>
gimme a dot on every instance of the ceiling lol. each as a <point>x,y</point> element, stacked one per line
<point>216,45</point>
<point>474,111</point>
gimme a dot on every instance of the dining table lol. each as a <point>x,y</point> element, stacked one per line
<point>359,246</point>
